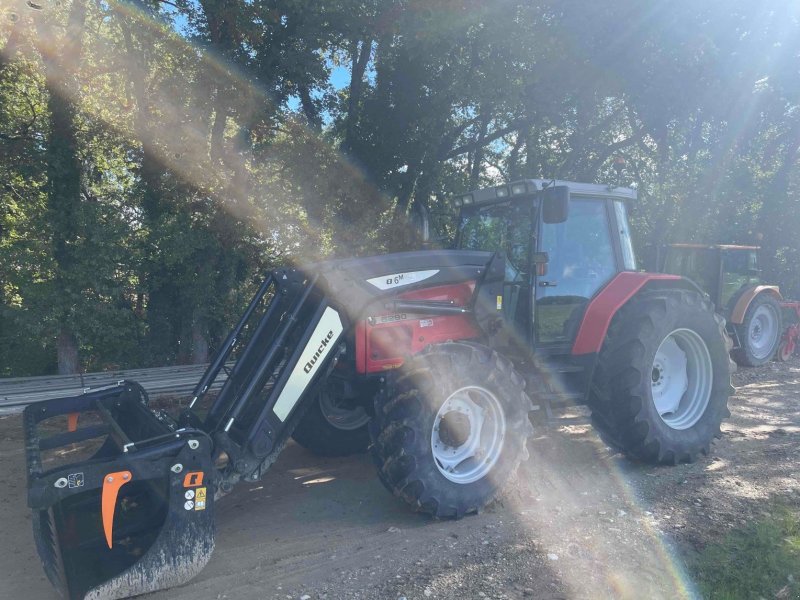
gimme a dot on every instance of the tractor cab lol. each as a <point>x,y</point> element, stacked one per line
<point>563,242</point>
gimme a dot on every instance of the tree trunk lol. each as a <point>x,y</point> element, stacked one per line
<point>63,169</point>
<point>184,343</point>
<point>405,193</point>
<point>309,109</point>
<point>514,163</point>
<point>360,61</point>
<point>534,160</point>
<point>217,150</point>
<point>199,343</point>
<point>8,52</point>
<point>67,350</point>
<point>477,160</point>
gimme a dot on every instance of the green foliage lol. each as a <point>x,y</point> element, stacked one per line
<point>157,158</point>
<point>759,560</point>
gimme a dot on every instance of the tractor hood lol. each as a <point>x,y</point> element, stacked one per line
<point>355,282</point>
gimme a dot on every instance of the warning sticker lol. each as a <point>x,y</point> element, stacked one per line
<point>200,499</point>
<point>193,479</point>
<point>75,480</point>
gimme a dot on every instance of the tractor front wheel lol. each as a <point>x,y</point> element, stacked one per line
<point>662,382</point>
<point>453,431</point>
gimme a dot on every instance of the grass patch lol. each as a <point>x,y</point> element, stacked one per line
<point>761,560</point>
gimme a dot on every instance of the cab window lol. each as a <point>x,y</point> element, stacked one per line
<point>503,228</point>
<point>581,261</point>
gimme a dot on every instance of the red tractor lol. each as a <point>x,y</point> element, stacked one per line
<point>439,361</point>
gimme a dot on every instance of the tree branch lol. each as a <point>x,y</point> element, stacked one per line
<point>482,142</point>
<point>310,110</point>
<point>615,147</point>
<point>23,131</point>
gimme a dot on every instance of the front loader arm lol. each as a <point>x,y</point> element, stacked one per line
<point>300,336</point>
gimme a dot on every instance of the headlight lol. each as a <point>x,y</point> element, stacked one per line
<point>518,189</point>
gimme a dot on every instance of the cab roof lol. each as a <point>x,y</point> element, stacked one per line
<point>715,246</point>
<point>522,187</point>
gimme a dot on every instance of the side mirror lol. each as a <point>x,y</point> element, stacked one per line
<point>555,204</point>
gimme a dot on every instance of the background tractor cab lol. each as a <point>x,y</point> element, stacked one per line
<point>562,242</point>
<point>730,275</point>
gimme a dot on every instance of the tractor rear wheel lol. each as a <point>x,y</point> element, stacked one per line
<point>662,382</point>
<point>760,332</point>
<point>332,426</point>
<point>454,429</point>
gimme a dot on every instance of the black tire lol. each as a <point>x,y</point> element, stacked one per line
<point>402,428</point>
<point>747,355</point>
<point>320,435</point>
<point>622,399</point>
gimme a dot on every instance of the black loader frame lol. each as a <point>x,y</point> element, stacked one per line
<point>155,475</point>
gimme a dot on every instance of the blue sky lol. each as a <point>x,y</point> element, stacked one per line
<point>339,79</point>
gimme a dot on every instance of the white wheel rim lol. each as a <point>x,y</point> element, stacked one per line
<point>682,378</point>
<point>762,334</point>
<point>467,435</point>
<point>339,416</point>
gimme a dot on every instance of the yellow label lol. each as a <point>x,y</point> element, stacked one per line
<point>499,303</point>
<point>200,499</point>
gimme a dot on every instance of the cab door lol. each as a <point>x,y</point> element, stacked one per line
<point>581,260</point>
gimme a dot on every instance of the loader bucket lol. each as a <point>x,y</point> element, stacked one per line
<point>136,515</point>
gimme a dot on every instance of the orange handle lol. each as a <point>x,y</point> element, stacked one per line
<point>111,484</point>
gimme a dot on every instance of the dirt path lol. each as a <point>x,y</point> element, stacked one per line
<point>579,523</point>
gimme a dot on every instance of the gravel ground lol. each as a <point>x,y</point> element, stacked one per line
<point>578,522</point>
